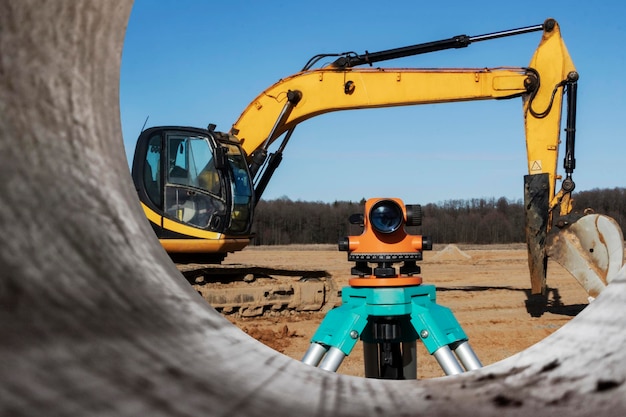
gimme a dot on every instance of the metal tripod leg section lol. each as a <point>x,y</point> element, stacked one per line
<point>467,356</point>
<point>447,360</point>
<point>449,363</point>
<point>332,360</point>
<point>336,337</point>
<point>314,354</point>
<point>442,334</point>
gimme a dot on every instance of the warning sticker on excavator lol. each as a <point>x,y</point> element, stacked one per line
<point>535,165</point>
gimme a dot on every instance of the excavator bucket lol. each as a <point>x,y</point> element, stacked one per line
<point>590,248</point>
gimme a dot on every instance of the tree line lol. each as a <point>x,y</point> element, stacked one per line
<point>475,221</point>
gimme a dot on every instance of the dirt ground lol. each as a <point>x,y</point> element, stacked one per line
<point>486,288</point>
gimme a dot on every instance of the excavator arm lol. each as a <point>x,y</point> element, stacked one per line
<point>542,115</point>
<point>591,246</point>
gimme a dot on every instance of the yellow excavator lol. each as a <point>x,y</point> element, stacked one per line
<point>199,187</point>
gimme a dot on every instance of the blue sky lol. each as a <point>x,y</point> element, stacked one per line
<point>193,62</point>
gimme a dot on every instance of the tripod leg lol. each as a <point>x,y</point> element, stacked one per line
<point>467,356</point>
<point>439,331</point>
<point>337,334</point>
<point>314,354</point>
<point>332,360</point>
<point>447,361</point>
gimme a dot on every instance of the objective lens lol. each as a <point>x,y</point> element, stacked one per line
<point>386,216</point>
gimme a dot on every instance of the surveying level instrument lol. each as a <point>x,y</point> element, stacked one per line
<point>389,310</point>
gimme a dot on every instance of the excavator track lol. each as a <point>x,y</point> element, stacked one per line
<point>253,291</point>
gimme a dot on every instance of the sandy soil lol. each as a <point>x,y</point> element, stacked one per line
<point>486,288</point>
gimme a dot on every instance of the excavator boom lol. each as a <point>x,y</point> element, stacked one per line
<point>326,90</point>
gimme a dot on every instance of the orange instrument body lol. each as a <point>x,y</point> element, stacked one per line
<point>385,241</point>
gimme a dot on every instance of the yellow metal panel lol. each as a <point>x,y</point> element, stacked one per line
<point>204,245</point>
<point>151,215</point>
<point>553,63</point>
<point>323,91</point>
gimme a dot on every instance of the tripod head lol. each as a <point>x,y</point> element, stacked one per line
<point>385,241</point>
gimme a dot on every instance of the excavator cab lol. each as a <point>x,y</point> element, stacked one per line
<point>196,190</point>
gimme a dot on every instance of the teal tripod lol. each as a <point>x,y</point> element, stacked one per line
<point>389,320</point>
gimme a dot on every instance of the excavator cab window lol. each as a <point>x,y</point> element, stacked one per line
<point>152,170</point>
<point>194,177</point>
<point>191,163</point>
<point>193,192</point>
<point>240,190</point>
